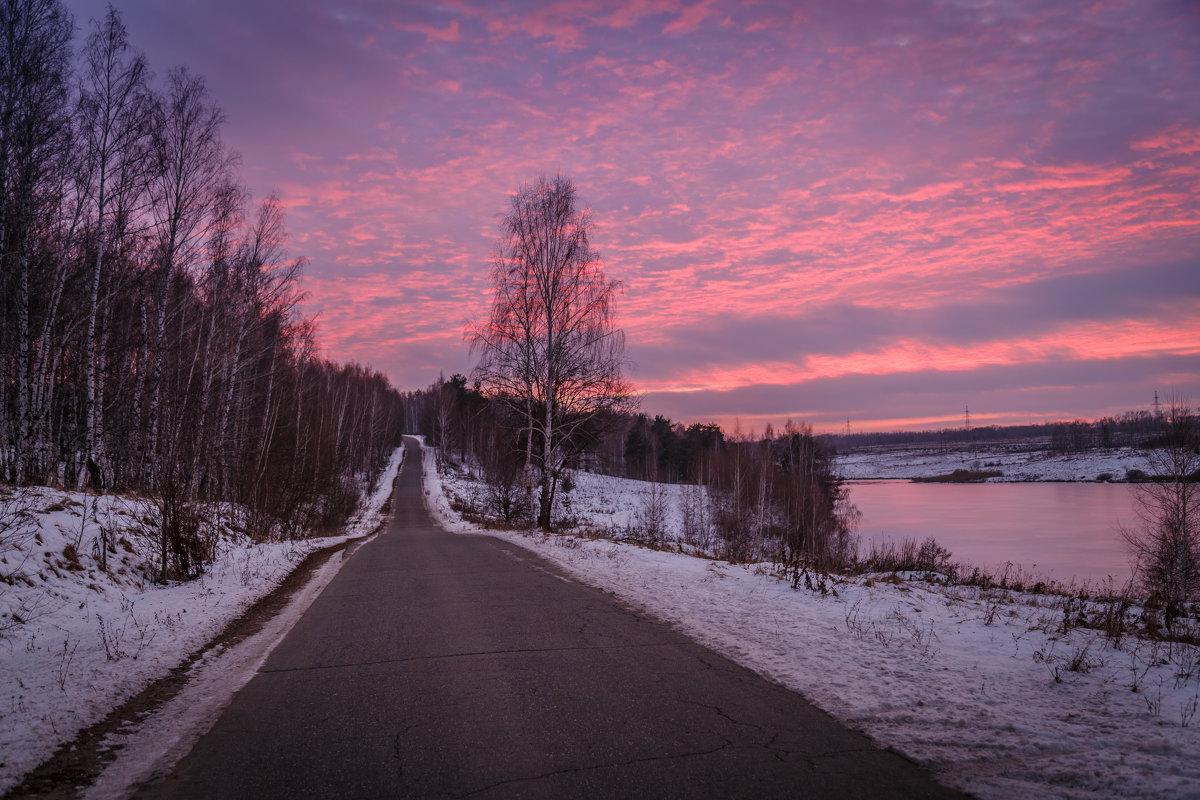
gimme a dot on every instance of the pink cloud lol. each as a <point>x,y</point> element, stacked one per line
<point>1082,342</point>
<point>690,18</point>
<point>434,34</point>
<point>744,162</point>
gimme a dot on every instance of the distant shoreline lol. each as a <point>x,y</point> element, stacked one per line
<point>1015,461</point>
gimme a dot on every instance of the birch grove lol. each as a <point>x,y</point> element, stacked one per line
<point>151,338</point>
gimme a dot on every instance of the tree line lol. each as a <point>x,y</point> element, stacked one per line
<point>151,336</point>
<point>1135,428</point>
<point>774,496</point>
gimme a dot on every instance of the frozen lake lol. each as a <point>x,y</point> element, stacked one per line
<point>1056,530</point>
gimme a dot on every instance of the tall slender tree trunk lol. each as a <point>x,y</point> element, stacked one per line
<point>47,357</point>
<point>158,356</point>
<point>529,454</point>
<point>200,468</point>
<point>156,371</point>
<point>270,417</point>
<point>23,348</point>
<point>141,359</point>
<point>93,409</point>
<point>232,376</point>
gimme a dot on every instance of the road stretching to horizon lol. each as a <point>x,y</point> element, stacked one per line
<point>445,665</point>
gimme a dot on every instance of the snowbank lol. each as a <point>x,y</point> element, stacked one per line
<point>984,688</point>
<point>76,641</point>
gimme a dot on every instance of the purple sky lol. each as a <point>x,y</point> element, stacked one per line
<point>885,212</point>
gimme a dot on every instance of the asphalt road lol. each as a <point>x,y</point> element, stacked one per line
<point>443,665</point>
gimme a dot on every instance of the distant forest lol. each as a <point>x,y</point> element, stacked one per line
<point>455,415</point>
<point>1131,429</point>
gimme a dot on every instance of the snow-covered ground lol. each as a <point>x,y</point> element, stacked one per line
<point>1019,461</point>
<point>985,688</point>
<point>76,641</point>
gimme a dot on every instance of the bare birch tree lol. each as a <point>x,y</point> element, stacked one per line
<point>35,51</point>
<point>549,349</point>
<point>114,116</point>
<point>1167,546</point>
<point>189,163</point>
<point>150,334</point>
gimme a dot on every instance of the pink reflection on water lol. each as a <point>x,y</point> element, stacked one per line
<point>1056,530</point>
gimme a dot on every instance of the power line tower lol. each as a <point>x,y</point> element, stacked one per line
<point>967,416</point>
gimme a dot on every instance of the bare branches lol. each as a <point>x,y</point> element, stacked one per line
<point>114,119</point>
<point>150,334</point>
<point>35,139</point>
<point>1167,546</point>
<point>549,348</point>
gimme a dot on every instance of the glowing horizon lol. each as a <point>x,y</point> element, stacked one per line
<point>816,212</point>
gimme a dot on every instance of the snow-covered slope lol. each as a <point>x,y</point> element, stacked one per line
<point>76,641</point>
<point>985,688</point>
<point>1017,462</point>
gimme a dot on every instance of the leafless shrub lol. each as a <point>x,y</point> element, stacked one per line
<point>813,579</point>
<point>1081,660</point>
<point>1154,700</point>
<point>1187,710</point>
<point>909,631</point>
<point>117,641</point>
<point>1113,617</point>
<point>990,611</point>
<point>17,524</point>
<point>651,516</point>
<point>1138,669</point>
<point>1074,613</point>
<point>506,496</point>
<point>905,555</point>
<point>250,563</point>
<point>110,639</point>
<point>856,623</point>
<point>896,628</point>
<point>695,518</point>
<point>63,671</point>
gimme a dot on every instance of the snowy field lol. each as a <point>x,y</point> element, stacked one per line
<point>76,641</point>
<point>986,688</point>
<point>1018,461</point>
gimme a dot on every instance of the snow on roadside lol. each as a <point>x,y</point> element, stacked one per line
<point>983,688</point>
<point>76,641</point>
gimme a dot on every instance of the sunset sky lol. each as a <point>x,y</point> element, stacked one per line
<point>885,212</point>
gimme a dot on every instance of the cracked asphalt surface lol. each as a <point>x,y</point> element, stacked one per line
<point>441,665</point>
